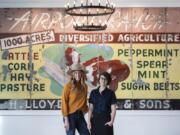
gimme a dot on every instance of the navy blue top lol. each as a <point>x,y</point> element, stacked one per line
<point>102,101</point>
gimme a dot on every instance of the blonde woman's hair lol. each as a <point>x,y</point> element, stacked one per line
<point>74,82</point>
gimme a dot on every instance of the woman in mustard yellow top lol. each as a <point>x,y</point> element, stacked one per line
<point>74,102</point>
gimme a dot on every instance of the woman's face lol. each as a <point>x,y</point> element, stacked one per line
<point>77,75</point>
<point>103,81</point>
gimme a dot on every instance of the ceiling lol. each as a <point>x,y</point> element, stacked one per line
<point>61,3</point>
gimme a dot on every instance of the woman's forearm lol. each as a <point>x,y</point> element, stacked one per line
<point>113,112</point>
<point>90,112</point>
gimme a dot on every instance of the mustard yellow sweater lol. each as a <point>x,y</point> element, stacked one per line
<point>73,100</point>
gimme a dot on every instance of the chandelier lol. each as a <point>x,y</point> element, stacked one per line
<point>90,15</point>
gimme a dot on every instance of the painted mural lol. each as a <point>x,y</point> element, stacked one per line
<point>140,48</point>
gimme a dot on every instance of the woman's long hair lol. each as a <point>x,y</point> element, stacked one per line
<point>75,83</point>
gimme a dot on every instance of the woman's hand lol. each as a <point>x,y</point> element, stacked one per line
<point>66,124</point>
<point>110,123</point>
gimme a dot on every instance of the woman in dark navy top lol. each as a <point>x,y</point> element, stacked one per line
<point>102,107</point>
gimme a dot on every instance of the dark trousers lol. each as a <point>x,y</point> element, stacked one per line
<point>77,121</point>
<point>98,126</point>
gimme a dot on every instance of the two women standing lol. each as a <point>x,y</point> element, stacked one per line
<point>102,108</point>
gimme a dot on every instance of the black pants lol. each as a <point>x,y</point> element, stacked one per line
<point>98,126</point>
